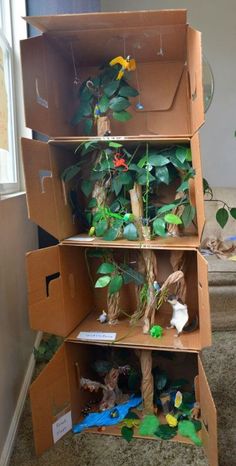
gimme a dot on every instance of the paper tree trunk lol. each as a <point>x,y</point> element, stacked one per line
<point>113,307</point>
<point>147,386</point>
<point>103,126</point>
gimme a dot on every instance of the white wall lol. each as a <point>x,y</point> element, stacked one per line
<point>217,21</point>
<point>17,236</point>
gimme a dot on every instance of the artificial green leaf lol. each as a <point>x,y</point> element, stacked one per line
<point>130,232</point>
<point>88,146</point>
<point>197,424</point>
<point>117,104</point>
<point>188,215</point>
<point>131,275</point>
<point>128,91</point>
<point>125,178</point>
<point>88,125</point>
<point>85,94</point>
<point>222,216</point>
<point>117,185</point>
<point>159,227</point>
<point>166,432</point>
<point>189,155</point>
<point>183,187</point>
<point>166,208</point>
<point>102,281</point>
<point>111,234</point>
<point>115,284</point>
<point>85,109</point>
<point>127,433</point>
<point>86,187</point>
<point>101,227</point>
<point>122,116</point>
<point>173,219</point>
<point>181,154</point>
<point>111,88</point>
<point>103,104</point>
<point>106,267</point>
<point>144,177</point>
<point>92,203</point>
<point>233,212</point>
<point>162,174</point>
<point>114,144</point>
<point>142,162</point>
<point>157,160</point>
<point>70,172</point>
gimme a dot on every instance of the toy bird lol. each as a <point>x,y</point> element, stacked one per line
<point>127,64</point>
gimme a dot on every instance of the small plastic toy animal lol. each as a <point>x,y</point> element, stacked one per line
<point>119,161</point>
<point>180,314</point>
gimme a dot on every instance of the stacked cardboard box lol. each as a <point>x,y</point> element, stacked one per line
<point>61,299</point>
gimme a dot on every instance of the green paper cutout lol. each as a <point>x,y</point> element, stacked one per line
<point>127,433</point>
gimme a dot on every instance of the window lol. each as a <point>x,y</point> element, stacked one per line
<point>9,181</point>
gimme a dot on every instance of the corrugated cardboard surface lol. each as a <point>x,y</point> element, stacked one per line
<point>169,73</point>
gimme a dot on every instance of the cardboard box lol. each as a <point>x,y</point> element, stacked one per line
<point>63,301</point>
<point>169,70</point>
<point>56,393</point>
<point>47,195</point>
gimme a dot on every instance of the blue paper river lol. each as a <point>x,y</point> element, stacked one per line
<point>104,418</point>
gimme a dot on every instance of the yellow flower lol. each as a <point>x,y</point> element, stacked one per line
<point>171,420</point>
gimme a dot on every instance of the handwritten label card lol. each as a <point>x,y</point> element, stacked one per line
<point>61,426</point>
<point>96,336</point>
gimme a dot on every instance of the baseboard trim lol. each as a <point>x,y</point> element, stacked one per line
<point>9,443</point>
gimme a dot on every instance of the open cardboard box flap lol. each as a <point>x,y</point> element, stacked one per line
<point>61,298</point>
<point>48,197</point>
<point>169,72</point>
<point>57,391</point>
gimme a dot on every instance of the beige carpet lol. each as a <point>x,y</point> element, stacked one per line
<point>96,450</point>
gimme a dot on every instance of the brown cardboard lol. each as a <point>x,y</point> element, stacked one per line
<point>209,417</point>
<point>57,390</point>
<point>69,303</point>
<point>49,207</point>
<point>59,289</point>
<point>168,56</point>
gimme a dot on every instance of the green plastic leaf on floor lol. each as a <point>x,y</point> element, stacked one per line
<point>130,232</point>
<point>106,267</point>
<point>222,216</point>
<point>102,281</point>
<point>233,212</point>
<point>115,284</point>
<point>187,429</point>
<point>149,425</point>
<point>127,433</point>
<point>166,432</point>
<point>173,219</point>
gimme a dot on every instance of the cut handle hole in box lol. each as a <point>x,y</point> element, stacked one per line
<point>49,278</point>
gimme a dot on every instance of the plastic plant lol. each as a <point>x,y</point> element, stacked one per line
<point>156,331</point>
<point>103,95</point>
<point>47,348</point>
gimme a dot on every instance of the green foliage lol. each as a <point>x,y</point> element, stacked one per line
<point>47,348</point>
<point>188,215</point>
<point>166,432</point>
<point>103,95</point>
<point>102,282</point>
<point>222,216</point>
<point>130,232</point>
<point>106,267</point>
<point>115,284</point>
<point>159,227</point>
<point>187,429</point>
<point>173,219</point>
<point>156,331</point>
<point>149,425</point>
<point>127,433</point>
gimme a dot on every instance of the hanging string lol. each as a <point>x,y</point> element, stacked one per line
<point>76,77</point>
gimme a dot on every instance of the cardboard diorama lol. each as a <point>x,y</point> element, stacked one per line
<point>125,74</point>
<point>145,394</point>
<point>136,193</point>
<point>120,297</point>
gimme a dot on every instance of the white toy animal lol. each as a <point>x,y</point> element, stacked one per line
<point>180,314</point>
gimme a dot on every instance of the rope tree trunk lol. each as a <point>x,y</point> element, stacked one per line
<point>147,257</point>
<point>178,262</point>
<point>147,386</point>
<point>100,194</point>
